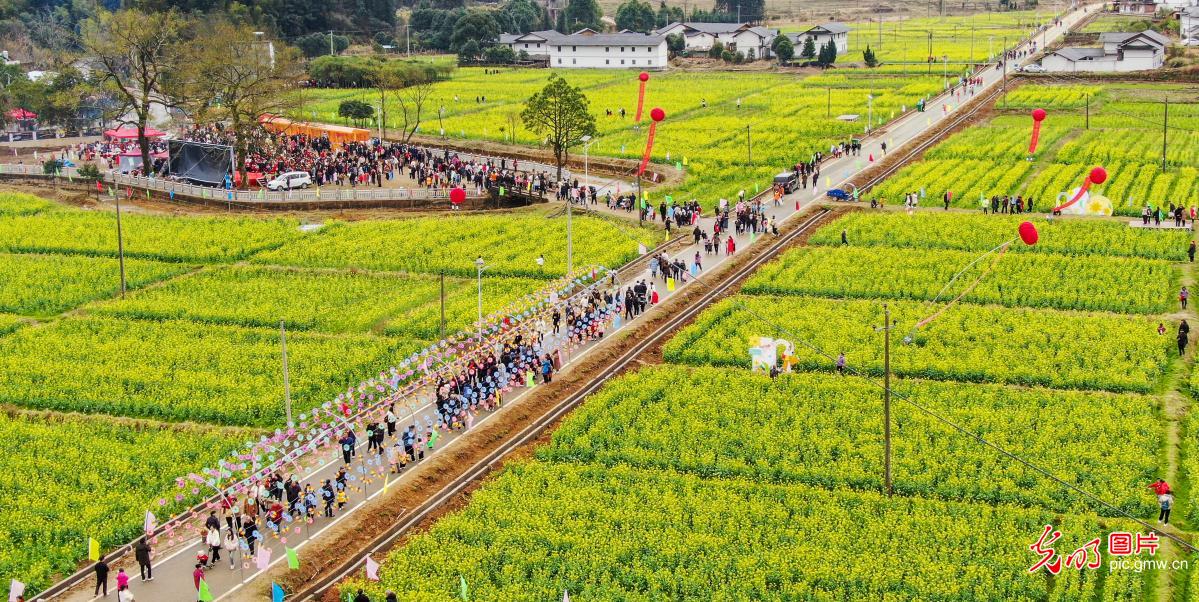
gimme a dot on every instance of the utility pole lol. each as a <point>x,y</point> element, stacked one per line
<point>829,111</point>
<point>408,38</point>
<point>1003,50</point>
<point>120,243</point>
<point>749,147</point>
<point>929,60</point>
<point>480,266</point>
<point>286,376</point>
<point>331,52</point>
<point>887,325</point>
<point>1088,122</point>
<point>639,203</point>
<point>443,305</point>
<point>1165,125</point>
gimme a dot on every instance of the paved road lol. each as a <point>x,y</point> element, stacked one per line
<point>173,581</point>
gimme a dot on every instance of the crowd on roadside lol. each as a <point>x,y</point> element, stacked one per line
<point>372,163</point>
<point>239,523</point>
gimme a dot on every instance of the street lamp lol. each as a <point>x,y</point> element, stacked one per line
<point>586,140</point>
<point>869,111</point>
<point>480,266</point>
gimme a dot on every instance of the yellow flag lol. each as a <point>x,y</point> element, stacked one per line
<point>670,284</point>
<point>318,193</point>
<point>684,159</point>
<point>93,549</point>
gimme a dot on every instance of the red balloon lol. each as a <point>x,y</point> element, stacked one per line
<point>643,77</point>
<point>457,195</point>
<point>1028,233</point>
<point>1038,114</point>
<point>1098,175</point>
<point>657,114</point>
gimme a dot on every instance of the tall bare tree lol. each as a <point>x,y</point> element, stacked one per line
<point>137,55</point>
<point>237,78</point>
<point>412,101</point>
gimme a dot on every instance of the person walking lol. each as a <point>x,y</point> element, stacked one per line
<point>1184,331</point>
<point>230,546</point>
<point>124,594</point>
<point>1166,503</point>
<point>1183,295</point>
<point>101,577</point>
<point>362,597</point>
<point>197,577</point>
<point>844,237</point>
<point>213,539</point>
<point>841,363</point>
<point>1191,251</point>
<point>141,552</point>
<point>122,579</point>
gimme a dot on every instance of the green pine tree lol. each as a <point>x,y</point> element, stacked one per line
<point>809,49</point>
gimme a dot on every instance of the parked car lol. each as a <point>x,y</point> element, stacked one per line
<point>290,181</point>
<point>1033,68</point>
<point>788,180</point>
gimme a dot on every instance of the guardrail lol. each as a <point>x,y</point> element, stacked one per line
<point>169,187</point>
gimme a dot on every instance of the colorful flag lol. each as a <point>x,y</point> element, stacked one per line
<point>205,593</point>
<point>150,523</point>
<point>529,379</point>
<point>678,165</point>
<point>670,284</point>
<point>462,588</point>
<point>372,569</point>
<point>641,250</point>
<point>501,191</point>
<point>15,589</point>
<point>684,159</point>
<point>264,558</point>
<point>93,549</point>
<point>277,594</point>
<point>293,561</point>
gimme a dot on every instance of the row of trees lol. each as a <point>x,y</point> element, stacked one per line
<point>212,68</point>
<point>28,19</point>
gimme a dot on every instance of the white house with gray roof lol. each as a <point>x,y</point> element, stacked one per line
<point>736,37</point>
<point>587,49</point>
<point>1139,51</point>
<point>1188,25</point>
<point>837,33</point>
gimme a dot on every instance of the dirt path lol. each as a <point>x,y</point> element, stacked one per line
<point>1175,406</point>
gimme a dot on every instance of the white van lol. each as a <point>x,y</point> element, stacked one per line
<point>290,181</point>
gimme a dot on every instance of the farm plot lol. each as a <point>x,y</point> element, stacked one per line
<point>180,370</point>
<point>975,343</point>
<point>326,301</point>
<point>1116,284</point>
<point>45,285</point>
<point>827,431</point>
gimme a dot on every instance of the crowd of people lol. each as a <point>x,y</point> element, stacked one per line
<point>234,530</point>
<point>372,163</point>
